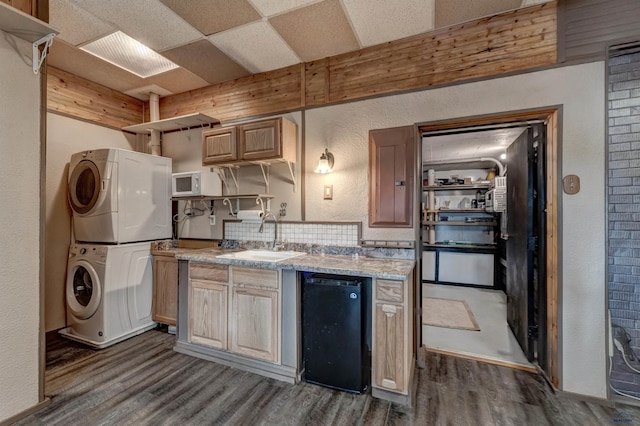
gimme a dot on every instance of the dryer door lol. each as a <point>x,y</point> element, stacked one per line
<point>84,289</point>
<point>84,187</point>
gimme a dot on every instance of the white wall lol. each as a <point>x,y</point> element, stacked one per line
<point>66,136</point>
<point>580,90</point>
<point>20,230</point>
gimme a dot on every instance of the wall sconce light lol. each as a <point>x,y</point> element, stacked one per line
<point>325,164</point>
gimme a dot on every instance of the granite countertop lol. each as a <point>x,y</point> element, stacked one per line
<point>171,248</point>
<point>393,269</point>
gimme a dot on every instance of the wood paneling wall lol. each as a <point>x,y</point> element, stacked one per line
<point>587,27</point>
<point>76,97</point>
<point>512,41</point>
<point>259,94</point>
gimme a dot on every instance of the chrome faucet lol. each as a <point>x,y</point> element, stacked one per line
<point>267,214</point>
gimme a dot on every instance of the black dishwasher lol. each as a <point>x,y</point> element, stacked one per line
<point>334,332</point>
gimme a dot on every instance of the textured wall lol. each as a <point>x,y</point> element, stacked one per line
<point>185,148</point>
<point>20,232</point>
<point>66,136</point>
<point>580,90</point>
<point>624,211</point>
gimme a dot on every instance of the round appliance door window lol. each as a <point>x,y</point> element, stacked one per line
<point>84,186</point>
<point>83,290</point>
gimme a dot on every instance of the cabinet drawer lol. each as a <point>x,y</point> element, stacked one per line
<point>255,277</point>
<point>389,291</point>
<point>209,271</point>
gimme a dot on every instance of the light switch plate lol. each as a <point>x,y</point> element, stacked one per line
<point>328,192</point>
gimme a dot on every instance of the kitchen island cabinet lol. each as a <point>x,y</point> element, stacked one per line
<point>264,315</point>
<point>234,309</point>
<point>255,313</point>
<point>208,313</point>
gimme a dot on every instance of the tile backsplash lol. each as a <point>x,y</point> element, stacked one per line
<point>333,234</point>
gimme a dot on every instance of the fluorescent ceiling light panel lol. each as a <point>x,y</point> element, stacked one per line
<point>123,51</point>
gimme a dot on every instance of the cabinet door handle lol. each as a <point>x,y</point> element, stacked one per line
<point>399,183</point>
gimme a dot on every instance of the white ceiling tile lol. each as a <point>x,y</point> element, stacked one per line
<point>255,46</point>
<point>148,21</point>
<point>76,25</point>
<point>483,143</point>
<point>378,22</point>
<point>275,7</point>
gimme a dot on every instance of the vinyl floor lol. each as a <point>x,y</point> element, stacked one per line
<point>142,381</point>
<point>494,342</point>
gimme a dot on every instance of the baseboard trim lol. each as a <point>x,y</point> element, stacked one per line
<point>394,397</point>
<point>26,413</point>
<point>266,369</point>
<point>530,369</point>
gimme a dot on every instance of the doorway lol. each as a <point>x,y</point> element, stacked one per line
<point>455,256</point>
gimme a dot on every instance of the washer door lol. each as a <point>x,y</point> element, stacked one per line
<point>84,186</point>
<point>83,289</point>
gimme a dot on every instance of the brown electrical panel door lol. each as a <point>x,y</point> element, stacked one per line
<point>391,175</point>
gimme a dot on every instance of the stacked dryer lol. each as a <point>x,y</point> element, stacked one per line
<point>120,201</point>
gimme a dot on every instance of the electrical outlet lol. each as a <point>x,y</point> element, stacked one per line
<point>212,219</point>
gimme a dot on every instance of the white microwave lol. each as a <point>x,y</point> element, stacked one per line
<point>196,183</point>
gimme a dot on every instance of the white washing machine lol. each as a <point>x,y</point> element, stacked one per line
<point>109,293</point>
<point>120,196</point>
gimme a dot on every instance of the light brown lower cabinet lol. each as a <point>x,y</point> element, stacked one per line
<point>254,318</point>
<point>235,309</point>
<point>165,289</point>
<point>389,368</point>
<point>208,303</point>
<point>393,347</point>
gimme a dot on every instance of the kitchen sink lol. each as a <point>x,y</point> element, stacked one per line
<point>261,255</point>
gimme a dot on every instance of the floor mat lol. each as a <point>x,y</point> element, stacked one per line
<point>448,313</point>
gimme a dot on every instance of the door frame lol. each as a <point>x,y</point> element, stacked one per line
<point>551,115</point>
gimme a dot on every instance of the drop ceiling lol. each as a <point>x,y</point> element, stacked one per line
<point>456,146</point>
<point>213,41</point>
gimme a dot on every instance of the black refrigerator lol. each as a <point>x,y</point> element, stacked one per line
<point>334,332</point>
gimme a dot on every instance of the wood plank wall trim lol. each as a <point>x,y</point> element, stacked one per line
<point>509,42</point>
<point>260,94</point>
<point>512,41</point>
<point>74,96</point>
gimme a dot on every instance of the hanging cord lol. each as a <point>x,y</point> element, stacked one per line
<point>187,212</point>
<point>622,341</point>
<point>627,353</point>
<point>619,392</point>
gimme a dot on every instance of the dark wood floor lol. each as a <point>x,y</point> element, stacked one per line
<point>142,381</point>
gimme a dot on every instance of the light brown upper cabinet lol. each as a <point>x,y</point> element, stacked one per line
<point>26,6</point>
<point>391,175</point>
<point>265,140</point>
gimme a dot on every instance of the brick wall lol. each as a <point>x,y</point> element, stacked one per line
<point>624,211</point>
